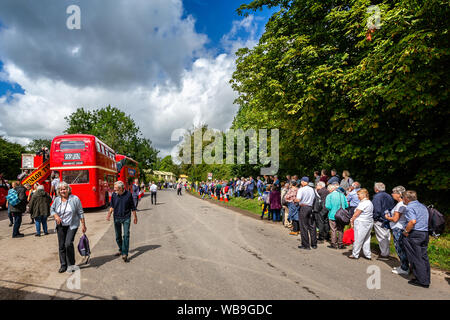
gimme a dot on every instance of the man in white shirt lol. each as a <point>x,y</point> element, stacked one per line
<point>305,198</point>
<point>153,189</point>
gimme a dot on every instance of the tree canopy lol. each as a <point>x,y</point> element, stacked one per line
<point>376,106</point>
<point>10,158</point>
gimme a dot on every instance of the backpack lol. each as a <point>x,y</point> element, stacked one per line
<point>13,197</point>
<point>317,204</point>
<point>436,222</point>
<point>83,246</point>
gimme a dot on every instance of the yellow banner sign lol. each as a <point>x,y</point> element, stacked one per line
<point>38,174</point>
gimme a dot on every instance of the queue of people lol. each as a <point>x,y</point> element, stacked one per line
<point>313,210</point>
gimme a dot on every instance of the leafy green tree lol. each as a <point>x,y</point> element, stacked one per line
<point>166,164</point>
<point>10,158</point>
<point>117,130</point>
<point>378,107</point>
<point>36,145</point>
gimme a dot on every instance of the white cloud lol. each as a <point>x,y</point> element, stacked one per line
<point>201,92</point>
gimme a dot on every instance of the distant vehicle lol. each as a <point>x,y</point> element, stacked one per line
<point>3,194</point>
<point>127,169</point>
<point>87,164</point>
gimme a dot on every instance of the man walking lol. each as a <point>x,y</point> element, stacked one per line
<point>19,208</point>
<point>136,190</point>
<point>153,189</point>
<point>416,239</point>
<point>179,188</point>
<point>305,197</point>
<point>122,204</point>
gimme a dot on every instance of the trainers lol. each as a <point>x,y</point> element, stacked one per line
<point>399,270</point>
<point>383,258</point>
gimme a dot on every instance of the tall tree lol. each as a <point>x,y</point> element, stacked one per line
<point>117,130</point>
<point>10,158</point>
<point>37,144</point>
<point>376,105</point>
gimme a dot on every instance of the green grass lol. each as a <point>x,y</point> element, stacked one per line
<point>438,249</point>
<point>251,205</point>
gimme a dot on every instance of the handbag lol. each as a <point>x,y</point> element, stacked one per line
<point>343,216</point>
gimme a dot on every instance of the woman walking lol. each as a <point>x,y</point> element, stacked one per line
<point>362,223</point>
<point>68,213</point>
<point>40,209</point>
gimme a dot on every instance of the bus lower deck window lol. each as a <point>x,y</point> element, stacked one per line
<point>76,176</point>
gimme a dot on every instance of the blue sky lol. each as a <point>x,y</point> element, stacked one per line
<point>144,57</point>
<point>215,17</point>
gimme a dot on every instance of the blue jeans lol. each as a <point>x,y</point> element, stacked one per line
<point>123,242</point>
<point>260,192</point>
<point>38,221</point>
<point>276,214</point>
<point>17,223</point>
<point>11,219</point>
<point>400,248</point>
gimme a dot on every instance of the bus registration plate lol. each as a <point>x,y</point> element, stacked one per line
<point>72,156</point>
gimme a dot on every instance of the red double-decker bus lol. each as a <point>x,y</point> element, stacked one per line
<point>87,164</point>
<point>128,170</point>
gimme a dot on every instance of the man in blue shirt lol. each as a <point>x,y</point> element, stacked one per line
<point>382,202</point>
<point>334,177</point>
<point>250,188</point>
<point>352,197</point>
<point>416,239</point>
<point>259,186</point>
<point>122,204</point>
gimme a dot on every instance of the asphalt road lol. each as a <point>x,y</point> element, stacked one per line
<point>187,248</point>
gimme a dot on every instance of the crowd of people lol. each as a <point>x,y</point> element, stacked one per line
<point>313,210</point>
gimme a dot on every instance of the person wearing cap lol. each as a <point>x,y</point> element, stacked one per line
<point>305,198</point>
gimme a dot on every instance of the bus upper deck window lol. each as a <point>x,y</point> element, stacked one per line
<point>72,145</point>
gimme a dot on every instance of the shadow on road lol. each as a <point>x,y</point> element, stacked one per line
<point>143,249</point>
<point>96,262</point>
<point>21,292</point>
